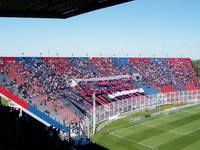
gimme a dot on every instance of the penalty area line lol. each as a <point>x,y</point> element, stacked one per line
<point>160,118</point>
<point>135,125</point>
<point>133,141</point>
<point>192,131</point>
<point>168,119</point>
<point>170,131</point>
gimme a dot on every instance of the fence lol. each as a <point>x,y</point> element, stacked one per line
<point>111,110</point>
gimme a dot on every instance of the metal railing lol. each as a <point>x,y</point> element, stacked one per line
<point>109,111</point>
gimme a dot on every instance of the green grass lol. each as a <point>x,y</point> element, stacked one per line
<point>179,130</point>
<point>4,101</point>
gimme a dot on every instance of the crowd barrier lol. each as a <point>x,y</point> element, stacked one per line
<point>105,112</point>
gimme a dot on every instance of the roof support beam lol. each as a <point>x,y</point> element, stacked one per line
<point>52,8</point>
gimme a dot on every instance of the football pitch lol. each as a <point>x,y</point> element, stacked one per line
<point>178,130</point>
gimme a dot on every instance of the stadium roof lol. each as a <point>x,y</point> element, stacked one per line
<point>52,8</point>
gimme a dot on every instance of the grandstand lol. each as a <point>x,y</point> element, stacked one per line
<point>59,91</point>
<point>78,95</point>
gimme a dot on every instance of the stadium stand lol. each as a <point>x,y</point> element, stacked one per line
<point>62,88</point>
<point>22,132</point>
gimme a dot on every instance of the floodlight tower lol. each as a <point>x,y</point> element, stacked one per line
<point>94,111</point>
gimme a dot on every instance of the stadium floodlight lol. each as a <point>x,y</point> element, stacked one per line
<point>94,111</point>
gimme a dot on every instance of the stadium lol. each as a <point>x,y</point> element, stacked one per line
<point>119,103</point>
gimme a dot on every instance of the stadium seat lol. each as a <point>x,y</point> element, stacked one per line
<point>64,86</point>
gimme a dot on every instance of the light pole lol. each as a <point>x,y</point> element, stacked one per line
<point>48,53</point>
<point>88,126</point>
<point>57,54</point>
<point>94,111</point>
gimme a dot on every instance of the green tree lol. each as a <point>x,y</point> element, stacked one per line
<point>196,64</point>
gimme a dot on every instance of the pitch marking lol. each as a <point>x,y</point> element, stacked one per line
<point>133,141</point>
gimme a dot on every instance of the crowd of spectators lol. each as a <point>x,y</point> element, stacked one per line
<point>176,72</point>
<point>39,83</point>
<point>49,79</point>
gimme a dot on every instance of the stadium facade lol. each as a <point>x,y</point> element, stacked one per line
<point>75,93</point>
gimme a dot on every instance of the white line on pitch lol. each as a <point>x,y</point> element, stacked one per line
<point>178,118</point>
<point>126,128</point>
<point>162,118</point>
<point>131,140</point>
<point>174,132</point>
<point>192,131</point>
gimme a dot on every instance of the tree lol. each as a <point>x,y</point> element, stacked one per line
<point>196,64</point>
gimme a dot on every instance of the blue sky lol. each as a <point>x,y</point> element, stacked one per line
<point>141,28</point>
